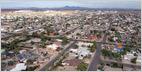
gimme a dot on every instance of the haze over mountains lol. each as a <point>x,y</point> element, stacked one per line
<point>66,8</point>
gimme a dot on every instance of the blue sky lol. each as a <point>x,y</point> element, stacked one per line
<point>61,3</point>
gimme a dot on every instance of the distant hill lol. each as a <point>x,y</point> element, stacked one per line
<point>68,8</point>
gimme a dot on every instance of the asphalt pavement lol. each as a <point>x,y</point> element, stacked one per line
<point>96,58</point>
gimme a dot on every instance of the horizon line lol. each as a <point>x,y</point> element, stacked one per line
<point>68,7</point>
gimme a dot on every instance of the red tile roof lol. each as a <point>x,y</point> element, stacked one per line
<point>73,62</point>
<point>92,37</point>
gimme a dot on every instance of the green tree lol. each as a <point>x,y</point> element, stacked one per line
<point>95,32</point>
<point>115,65</point>
<point>34,34</point>
<point>104,52</point>
<point>13,44</point>
<point>82,66</point>
<point>117,34</point>
<point>101,68</point>
<point>43,40</point>
<point>43,45</point>
<point>16,50</point>
<point>65,40</point>
<point>29,62</point>
<point>93,47</point>
<point>75,46</point>
<point>32,42</point>
<point>107,53</point>
<point>133,60</point>
<point>48,29</point>
<point>78,34</point>
<point>110,39</point>
<point>127,48</point>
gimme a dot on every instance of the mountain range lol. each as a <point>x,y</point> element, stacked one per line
<point>66,8</point>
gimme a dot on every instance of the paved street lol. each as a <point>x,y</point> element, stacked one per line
<point>96,58</point>
<point>124,63</point>
<point>51,63</point>
<point>70,30</point>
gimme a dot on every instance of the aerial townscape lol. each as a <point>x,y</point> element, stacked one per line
<point>70,40</point>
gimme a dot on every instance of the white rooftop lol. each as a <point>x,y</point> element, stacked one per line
<point>19,67</point>
<point>53,46</point>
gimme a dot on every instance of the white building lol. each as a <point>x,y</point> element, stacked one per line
<point>83,44</point>
<point>128,56</point>
<point>82,51</point>
<point>19,67</point>
<point>53,46</point>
